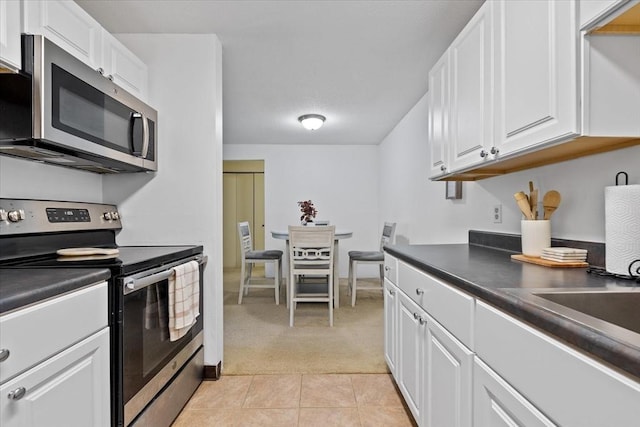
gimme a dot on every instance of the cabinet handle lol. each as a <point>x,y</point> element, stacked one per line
<point>17,394</point>
<point>443,168</point>
<point>392,292</point>
<point>415,316</point>
<point>483,154</point>
<point>110,77</point>
<point>100,71</point>
<point>419,291</point>
<point>387,268</point>
<point>494,150</point>
<point>422,320</point>
<point>4,354</point>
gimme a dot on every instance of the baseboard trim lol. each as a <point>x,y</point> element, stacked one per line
<point>212,373</point>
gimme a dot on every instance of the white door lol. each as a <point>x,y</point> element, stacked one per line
<point>439,116</point>
<point>390,324</point>
<point>70,389</point>
<point>536,76</point>
<point>410,355</point>
<point>497,404</point>
<point>471,125</point>
<point>448,394</point>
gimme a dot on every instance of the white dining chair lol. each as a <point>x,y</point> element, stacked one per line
<point>250,257</point>
<point>311,253</point>
<point>369,257</point>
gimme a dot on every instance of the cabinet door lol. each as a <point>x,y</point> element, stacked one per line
<point>448,393</point>
<point>10,35</point>
<point>390,325</point>
<point>439,115</point>
<point>123,67</point>
<point>594,11</point>
<point>410,366</point>
<point>497,404</point>
<point>67,25</point>
<point>536,76</point>
<point>70,389</point>
<point>471,126</point>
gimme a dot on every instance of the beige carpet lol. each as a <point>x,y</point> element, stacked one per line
<point>258,339</point>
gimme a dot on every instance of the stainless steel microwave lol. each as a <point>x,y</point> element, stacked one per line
<point>60,111</point>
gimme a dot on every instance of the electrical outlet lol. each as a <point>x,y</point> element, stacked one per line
<point>497,214</point>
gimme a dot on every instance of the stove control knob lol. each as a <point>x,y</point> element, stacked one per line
<point>107,216</point>
<point>115,215</point>
<point>15,216</point>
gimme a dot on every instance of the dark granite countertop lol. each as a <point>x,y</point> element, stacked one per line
<point>20,287</point>
<point>492,276</point>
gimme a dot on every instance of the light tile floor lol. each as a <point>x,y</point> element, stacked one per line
<point>306,400</point>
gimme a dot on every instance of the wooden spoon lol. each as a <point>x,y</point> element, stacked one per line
<point>523,204</point>
<point>533,203</point>
<point>550,202</point>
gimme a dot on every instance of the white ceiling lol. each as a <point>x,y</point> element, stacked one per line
<point>362,64</point>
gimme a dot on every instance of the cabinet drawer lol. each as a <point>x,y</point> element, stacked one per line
<point>571,388</point>
<point>452,308</point>
<point>42,330</point>
<point>391,268</point>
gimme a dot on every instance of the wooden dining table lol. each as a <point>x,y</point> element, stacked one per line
<point>339,235</point>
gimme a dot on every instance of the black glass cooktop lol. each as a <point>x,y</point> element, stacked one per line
<point>130,259</point>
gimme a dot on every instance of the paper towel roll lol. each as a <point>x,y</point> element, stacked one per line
<point>622,227</point>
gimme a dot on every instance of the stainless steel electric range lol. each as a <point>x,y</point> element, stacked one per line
<point>152,377</point>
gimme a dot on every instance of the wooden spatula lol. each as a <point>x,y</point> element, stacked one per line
<point>550,202</point>
<point>523,204</point>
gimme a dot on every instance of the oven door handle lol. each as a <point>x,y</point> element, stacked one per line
<point>132,284</point>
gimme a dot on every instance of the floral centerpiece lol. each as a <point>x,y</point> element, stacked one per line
<point>308,211</point>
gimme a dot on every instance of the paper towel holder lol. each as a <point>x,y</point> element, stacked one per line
<point>626,178</point>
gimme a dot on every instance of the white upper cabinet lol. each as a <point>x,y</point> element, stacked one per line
<point>439,116</point>
<point>70,27</point>
<point>594,11</point>
<point>10,35</point>
<point>123,67</point>
<point>535,73</point>
<point>471,125</point>
<point>67,25</point>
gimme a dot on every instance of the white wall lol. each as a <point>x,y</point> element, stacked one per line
<point>26,179</point>
<point>425,216</point>
<point>181,203</point>
<point>342,182</point>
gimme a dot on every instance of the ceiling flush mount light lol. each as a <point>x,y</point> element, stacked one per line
<point>312,121</point>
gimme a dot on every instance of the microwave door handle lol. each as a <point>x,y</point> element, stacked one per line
<point>142,152</point>
<point>145,136</point>
<point>136,150</point>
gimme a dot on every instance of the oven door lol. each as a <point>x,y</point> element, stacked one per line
<point>148,358</point>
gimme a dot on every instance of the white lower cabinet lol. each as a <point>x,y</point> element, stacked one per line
<point>497,404</point>
<point>390,324</point>
<point>410,364</point>
<point>70,389</point>
<point>433,369</point>
<point>460,362</point>
<point>447,397</point>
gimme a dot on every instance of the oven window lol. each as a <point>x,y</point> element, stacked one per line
<point>86,112</point>
<point>146,344</point>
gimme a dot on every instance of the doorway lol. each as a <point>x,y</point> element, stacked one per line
<point>242,200</point>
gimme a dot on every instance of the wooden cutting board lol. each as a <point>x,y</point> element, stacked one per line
<point>548,262</point>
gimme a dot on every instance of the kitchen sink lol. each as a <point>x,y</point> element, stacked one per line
<point>621,308</point>
<point>615,312</point>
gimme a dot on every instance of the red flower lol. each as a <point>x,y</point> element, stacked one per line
<point>308,211</point>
